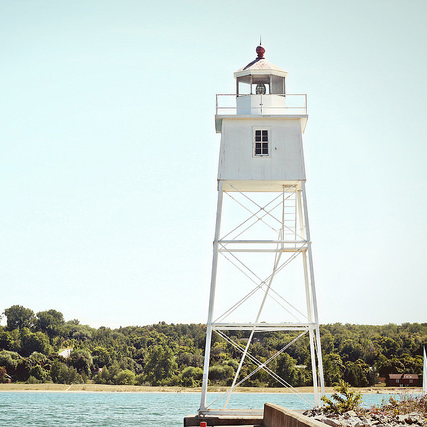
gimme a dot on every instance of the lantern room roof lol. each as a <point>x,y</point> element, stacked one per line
<point>260,66</point>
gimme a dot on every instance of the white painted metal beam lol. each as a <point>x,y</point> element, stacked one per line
<point>262,326</point>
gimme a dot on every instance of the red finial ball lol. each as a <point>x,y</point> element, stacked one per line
<point>260,52</point>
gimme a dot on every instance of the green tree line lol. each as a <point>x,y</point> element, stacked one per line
<point>172,354</point>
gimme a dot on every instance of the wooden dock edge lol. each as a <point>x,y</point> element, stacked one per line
<point>274,416</point>
<point>223,420</point>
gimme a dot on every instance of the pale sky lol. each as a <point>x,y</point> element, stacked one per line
<point>108,151</point>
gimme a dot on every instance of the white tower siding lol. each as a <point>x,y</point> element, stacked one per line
<point>284,163</point>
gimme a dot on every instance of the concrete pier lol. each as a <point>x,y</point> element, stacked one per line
<point>273,416</point>
<point>277,416</point>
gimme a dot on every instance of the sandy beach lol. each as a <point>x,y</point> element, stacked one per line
<point>148,389</point>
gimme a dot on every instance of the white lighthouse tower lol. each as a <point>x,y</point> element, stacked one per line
<point>262,270</point>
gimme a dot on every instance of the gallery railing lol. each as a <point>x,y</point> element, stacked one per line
<point>254,104</point>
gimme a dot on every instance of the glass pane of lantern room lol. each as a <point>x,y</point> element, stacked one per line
<point>278,85</point>
<point>244,85</point>
<point>260,84</point>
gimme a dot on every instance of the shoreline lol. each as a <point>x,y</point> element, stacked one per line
<point>103,388</point>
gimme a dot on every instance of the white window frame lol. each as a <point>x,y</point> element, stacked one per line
<point>254,142</point>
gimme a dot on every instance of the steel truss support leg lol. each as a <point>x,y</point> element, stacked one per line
<point>315,346</point>
<point>211,299</point>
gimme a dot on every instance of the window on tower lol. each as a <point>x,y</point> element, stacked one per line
<point>261,142</point>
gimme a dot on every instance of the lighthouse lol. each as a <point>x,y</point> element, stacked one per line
<point>262,285</point>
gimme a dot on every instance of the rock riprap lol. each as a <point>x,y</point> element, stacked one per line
<point>353,419</point>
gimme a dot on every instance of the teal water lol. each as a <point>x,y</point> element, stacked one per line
<point>126,409</point>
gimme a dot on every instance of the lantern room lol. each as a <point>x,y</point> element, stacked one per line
<point>260,77</point>
<point>260,87</point>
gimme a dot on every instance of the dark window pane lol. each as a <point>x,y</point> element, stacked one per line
<point>264,148</point>
<point>265,135</point>
<point>257,135</point>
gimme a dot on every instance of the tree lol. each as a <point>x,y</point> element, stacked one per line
<point>125,377</point>
<point>19,317</point>
<point>351,350</point>
<point>101,357</point>
<point>50,321</point>
<point>333,369</point>
<point>31,342</point>
<point>357,373</point>
<point>62,374</point>
<point>38,373</point>
<point>55,370</point>
<point>220,373</point>
<point>34,342</point>
<point>389,366</point>
<point>73,329</point>
<point>327,341</point>
<point>160,364</point>
<point>6,340</point>
<point>191,376</point>
<point>37,358</point>
<point>10,360</point>
<point>189,359</point>
<point>82,361</point>
<point>286,368</point>
<point>103,376</point>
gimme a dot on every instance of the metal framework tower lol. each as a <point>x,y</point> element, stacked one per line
<point>262,270</point>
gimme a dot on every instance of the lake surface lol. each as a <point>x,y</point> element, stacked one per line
<point>128,409</point>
